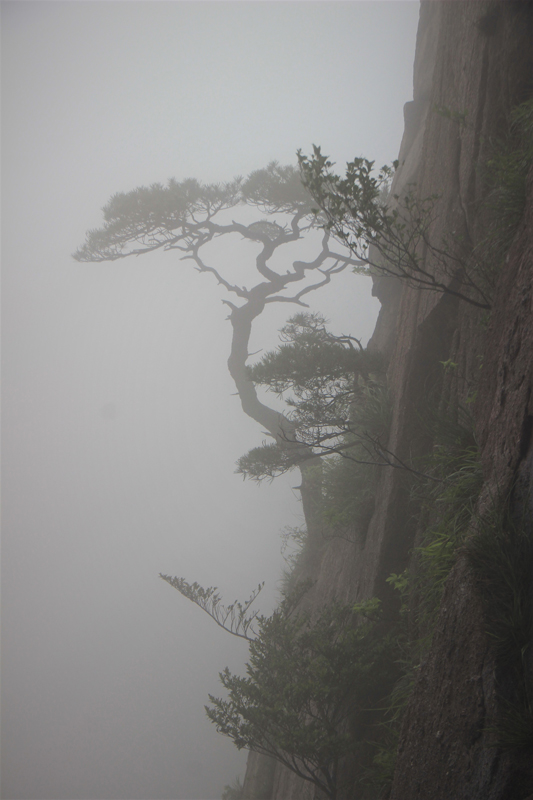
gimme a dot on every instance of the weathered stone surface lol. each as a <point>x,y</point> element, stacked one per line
<point>444,751</point>
<point>474,60</point>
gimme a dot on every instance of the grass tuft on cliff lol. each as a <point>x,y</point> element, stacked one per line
<point>506,176</point>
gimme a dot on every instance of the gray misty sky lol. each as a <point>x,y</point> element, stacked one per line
<point>120,428</point>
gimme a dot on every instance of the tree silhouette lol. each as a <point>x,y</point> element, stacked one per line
<point>309,680</point>
<point>186,216</point>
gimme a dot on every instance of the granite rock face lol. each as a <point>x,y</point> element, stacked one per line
<point>474,63</point>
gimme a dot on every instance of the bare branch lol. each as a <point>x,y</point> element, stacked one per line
<point>297,298</point>
<point>234,618</point>
<point>202,267</point>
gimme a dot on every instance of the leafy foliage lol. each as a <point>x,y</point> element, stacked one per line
<point>235,618</point>
<point>269,460</point>
<point>309,679</point>
<point>155,215</point>
<point>276,188</point>
<point>306,682</point>
<point>293,541</point>
<point>448,508</point>
<point>309,358</point>
<point>187,216</point>
<point>390,238</point>
<point>326,382</point>
<point>447,492</point>
<point>182,212</point>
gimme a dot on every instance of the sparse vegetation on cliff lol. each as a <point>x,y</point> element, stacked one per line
<point>335,398</point>
<point>499,551</point>
<point>391,238</point>
<point>308,682</point>
<point>447,507</point>
<point>332,685</point>
<point>187,217</point>
<point>312,681</point>
<point>506,174</point>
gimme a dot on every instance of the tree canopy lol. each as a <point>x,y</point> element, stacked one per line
<point>308,679</point>
<point>187,215</point>
<point>300,691</point>
<point>324,380</point>
<point>306,684</point>
<point>392,235</point>
<point>183,215</point>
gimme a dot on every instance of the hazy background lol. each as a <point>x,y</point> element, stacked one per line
<point>120,431</point>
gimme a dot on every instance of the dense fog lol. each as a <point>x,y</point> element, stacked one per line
<point>120,423</point>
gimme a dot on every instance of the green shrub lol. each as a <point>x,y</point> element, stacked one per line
<point>393,239</point>
<point>448,507</point>
<point>269,461</point>
<point>447,496</point>
<point>308,681</point>
<point>333,391</point>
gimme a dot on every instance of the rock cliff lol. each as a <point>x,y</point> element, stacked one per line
<point>473,66</point>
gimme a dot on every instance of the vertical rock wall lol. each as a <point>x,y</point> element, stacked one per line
<point>474,62</point>
<point>483,69</point>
